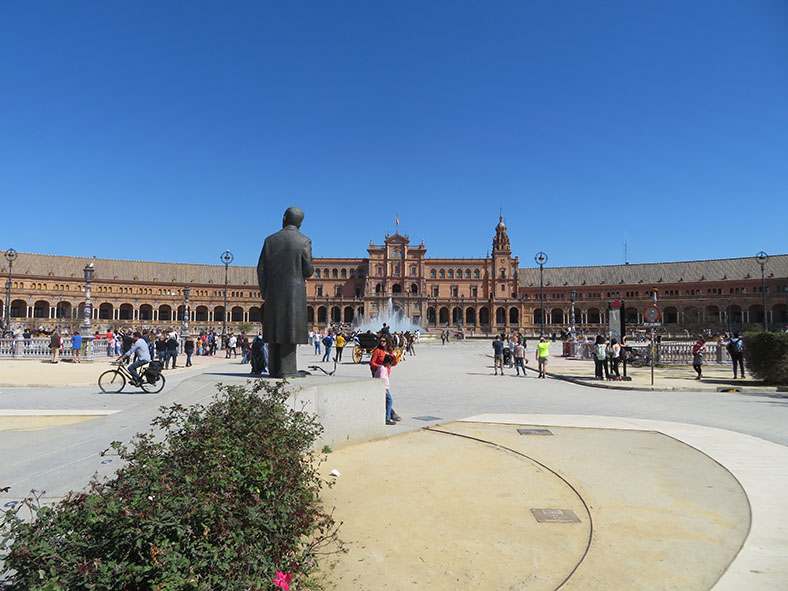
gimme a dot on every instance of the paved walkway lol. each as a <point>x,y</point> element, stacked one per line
<point>669,487</point>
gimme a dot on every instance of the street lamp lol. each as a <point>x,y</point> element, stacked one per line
<point>87,312</point>
<point>185,331</point>
<point>10,256</point>
<point>226,258</point>
<point>541,259</point>
<point>762,259</point>
<point>572,298</point>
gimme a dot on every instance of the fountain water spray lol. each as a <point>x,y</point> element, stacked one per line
<point>392,316</point>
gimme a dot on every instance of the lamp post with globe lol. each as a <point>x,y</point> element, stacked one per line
<point>87,312</point>
<point>541,259</point>
<point>762,259</point>
<point>226,258</point>
<point>185,330</point>
<point>10,256</point>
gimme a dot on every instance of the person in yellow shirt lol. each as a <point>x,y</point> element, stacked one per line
<point>340,345</point>
<point>542,353</point>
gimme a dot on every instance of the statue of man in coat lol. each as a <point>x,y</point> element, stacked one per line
<point>285,264</point>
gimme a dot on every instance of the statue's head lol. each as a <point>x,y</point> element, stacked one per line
<point>293,217</point>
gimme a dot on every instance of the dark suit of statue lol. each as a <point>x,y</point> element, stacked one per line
<point>285,263</point>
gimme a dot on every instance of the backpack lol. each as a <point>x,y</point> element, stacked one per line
<point>153,371</point>
<point>327,341</point>
<point>735,346</point>
<point>601,352</point>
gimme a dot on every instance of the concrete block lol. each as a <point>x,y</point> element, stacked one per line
<point>350,410</point>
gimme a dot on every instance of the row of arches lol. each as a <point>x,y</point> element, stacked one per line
<point>326,314</point>
<point>41,309</point>
<point>733,314</point>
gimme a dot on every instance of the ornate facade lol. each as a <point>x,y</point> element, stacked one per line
<point>487,294</point>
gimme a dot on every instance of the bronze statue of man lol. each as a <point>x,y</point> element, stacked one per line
<point>285,264</point>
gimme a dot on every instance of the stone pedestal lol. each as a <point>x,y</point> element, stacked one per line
<point>282,362</point>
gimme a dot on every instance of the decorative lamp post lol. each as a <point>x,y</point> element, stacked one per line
<point>541,259</point>
<point>572,298</point>
<point>185,330</point>
<point>87,312</point>
<point>10,256</point>
<point>762,259</point>
<point>226,258</point>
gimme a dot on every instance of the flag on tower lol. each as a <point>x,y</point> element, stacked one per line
<point>396,219</point>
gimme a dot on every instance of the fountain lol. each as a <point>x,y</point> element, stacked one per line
<point>392,316</point>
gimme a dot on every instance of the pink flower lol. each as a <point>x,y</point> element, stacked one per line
<point>282,580</point>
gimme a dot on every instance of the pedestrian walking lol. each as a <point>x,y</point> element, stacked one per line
<point>340,345</point>
<point>172,352</point>
<point>600,358</point>
<point>542,353</point>
<point>519,358</point>
<point>736,351</point>
<point>76,346</point>
<point>615,357</point>
<point>54,345</point>
<point>188,348</point>
<point>327,342</point>
<point>497,346</point>
<point>698,349</point>
<point>383,373</point>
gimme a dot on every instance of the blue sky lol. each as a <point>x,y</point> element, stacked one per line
<point>173,130</point>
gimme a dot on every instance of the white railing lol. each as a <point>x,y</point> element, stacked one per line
<point>681,353</point>
<point>667,353</point>
<point>38,348</point>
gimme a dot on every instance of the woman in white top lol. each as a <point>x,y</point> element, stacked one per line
<point>615,357</point>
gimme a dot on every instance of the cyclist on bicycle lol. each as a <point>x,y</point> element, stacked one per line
<point>140,347</point>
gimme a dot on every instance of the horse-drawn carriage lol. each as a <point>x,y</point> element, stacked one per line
<point>366,343</point>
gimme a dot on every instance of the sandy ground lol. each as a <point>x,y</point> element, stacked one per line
<point>450,512</point>
<point>36,423</point>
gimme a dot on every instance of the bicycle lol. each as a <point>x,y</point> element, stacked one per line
<point>152,381</point>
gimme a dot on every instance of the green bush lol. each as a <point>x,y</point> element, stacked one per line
<point>766,355</point>
<point>216,497</point>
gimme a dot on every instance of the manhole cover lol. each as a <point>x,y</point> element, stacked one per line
<point>534,431</point>
<point>427,418</point>
<point>555,516</point>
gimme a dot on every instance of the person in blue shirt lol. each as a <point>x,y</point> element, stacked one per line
<point>76,346</point>
<point>140,348</point>
<point>497,345</point>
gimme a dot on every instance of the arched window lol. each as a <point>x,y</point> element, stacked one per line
<point>442,274</point>
<point>433,273</point>
<point>451,273</point>
<point>352,273</point>
<point>476,273</point>
<point>343,274</point>
<point>361,273</point>
<point>459,273</point>
<point>317,273</point>
<point>335,273</point>
<point>467,273</point>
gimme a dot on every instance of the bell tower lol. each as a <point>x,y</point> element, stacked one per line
<point>504,272</point>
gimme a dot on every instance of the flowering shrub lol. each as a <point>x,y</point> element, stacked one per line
<point>224,496</point>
